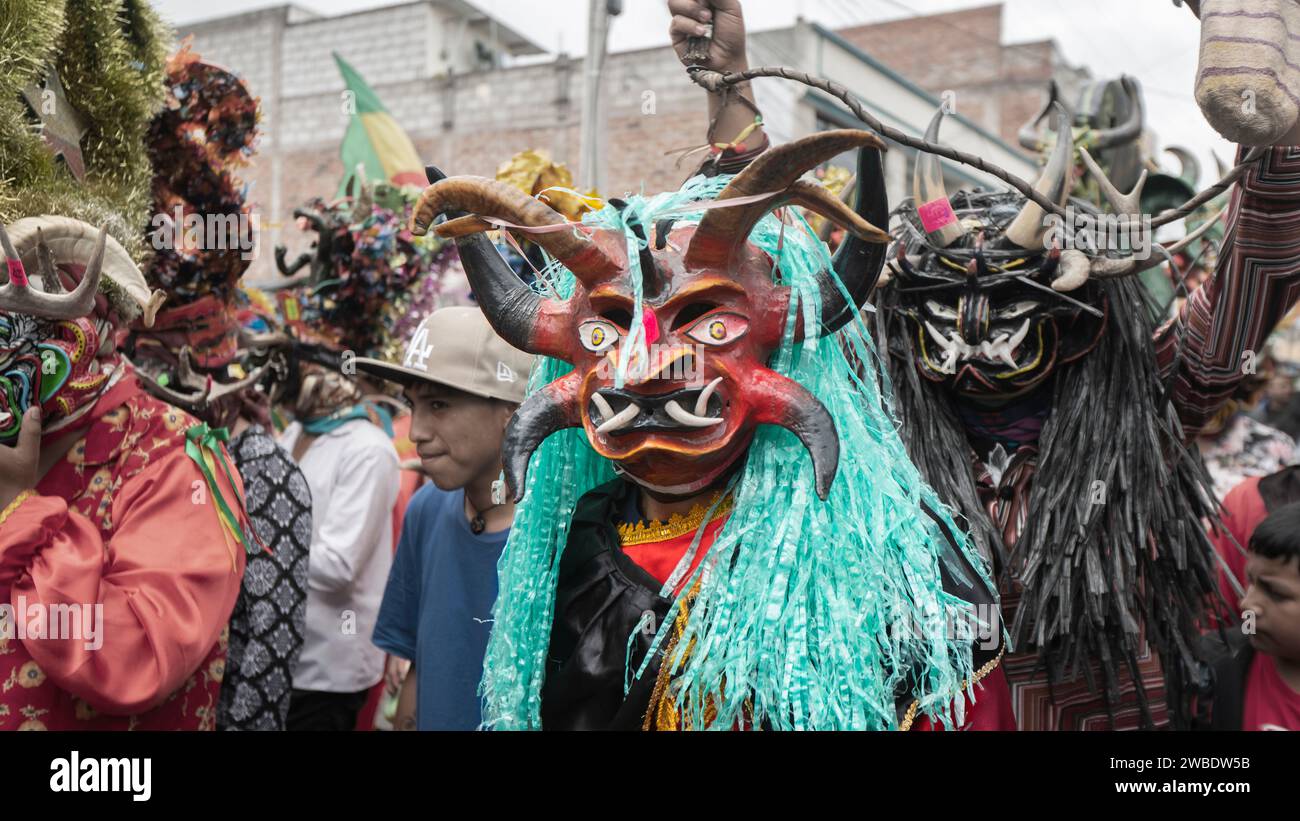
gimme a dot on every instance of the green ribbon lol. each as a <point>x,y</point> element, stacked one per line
<point>198,438</point>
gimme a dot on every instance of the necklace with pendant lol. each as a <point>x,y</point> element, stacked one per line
<point>477,524</point>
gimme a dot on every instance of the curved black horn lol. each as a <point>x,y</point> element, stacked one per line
<point>857,262</point>
<point>779,400</point>
<point>321,264</point>
<point>1028,135</point>
<point>553,408</point>
<point>511,307</point>
<point>1130,129</point>
<point>289,269</point>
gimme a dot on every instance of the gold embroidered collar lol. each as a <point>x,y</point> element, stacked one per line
<point>677,524</point>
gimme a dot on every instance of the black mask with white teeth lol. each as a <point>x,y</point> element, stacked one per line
<point>617,412</point>
<point>999,348</point>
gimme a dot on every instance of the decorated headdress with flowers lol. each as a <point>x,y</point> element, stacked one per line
<point>369,280</point>
<point>202,236</point>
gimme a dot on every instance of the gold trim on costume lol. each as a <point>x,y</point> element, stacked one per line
<point>18,500</point>
<point>677,524</point>
<point>910,715</point>
<point>663,712</point>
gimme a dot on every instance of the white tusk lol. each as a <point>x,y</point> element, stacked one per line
<point>702,404</point>
<point>621,419</point>
<point>949,363</point>
<point>685,417</point>
<point>938,337</point>
<point>1018,336</point>
<point>603,406</point>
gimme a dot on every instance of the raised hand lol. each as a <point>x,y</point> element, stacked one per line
<point>691,18</point>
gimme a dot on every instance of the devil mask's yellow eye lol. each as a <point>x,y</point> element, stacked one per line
<point>718,328</point>
<point>597,335</point>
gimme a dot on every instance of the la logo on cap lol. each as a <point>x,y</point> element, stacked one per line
<point>418,351</point>
<point>504,373</point>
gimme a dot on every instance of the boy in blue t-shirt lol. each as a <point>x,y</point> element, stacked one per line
<point>463,383</point>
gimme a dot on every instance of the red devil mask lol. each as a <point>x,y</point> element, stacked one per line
<point>711,315</point>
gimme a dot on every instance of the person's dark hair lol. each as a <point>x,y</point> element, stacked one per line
<point>410,384</point>
<point>1278,536</point>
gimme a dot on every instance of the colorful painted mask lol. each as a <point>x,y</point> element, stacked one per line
<point>57,347</point>
<point>31,369</point>
<point>47,350</point>
<point>676,414</point>
<point>52,364</point>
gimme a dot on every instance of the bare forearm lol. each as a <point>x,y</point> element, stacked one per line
<point>405,716</point>
<point>732,114</point>
<point>731,117</point>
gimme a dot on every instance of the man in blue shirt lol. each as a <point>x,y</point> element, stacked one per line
<point>463,383</point>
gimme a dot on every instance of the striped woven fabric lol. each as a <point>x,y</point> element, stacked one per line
<point>1073,704</point>
<point>1248,81</point>
<point>1255,285</point>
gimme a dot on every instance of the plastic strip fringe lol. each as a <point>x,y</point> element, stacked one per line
<point>813,615</point>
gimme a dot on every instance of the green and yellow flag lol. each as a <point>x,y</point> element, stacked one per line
<point>374,140</point>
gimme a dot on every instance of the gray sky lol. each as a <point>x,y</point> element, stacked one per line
<point>1151,39</point>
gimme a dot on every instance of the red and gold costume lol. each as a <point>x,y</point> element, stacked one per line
<point>115,524</point>
<point>120,568</point>
<point>658,547</point>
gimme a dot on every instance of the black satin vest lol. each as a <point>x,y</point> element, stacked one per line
<point>601,598</point>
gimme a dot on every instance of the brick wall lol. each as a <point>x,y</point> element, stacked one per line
<point>472,121</point>
<point>467,123</point>
<point>927,50</point>
<point>998,86</point>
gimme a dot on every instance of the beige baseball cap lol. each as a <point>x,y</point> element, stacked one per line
<point>457,347</point>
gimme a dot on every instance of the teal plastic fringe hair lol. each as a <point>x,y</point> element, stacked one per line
<point>809,615</point>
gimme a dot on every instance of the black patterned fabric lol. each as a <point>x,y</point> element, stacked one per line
<point>266,627</point>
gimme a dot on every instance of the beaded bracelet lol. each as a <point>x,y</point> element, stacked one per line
<point>738,145</point>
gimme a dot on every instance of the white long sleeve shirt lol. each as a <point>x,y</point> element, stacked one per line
<point>353,475</point>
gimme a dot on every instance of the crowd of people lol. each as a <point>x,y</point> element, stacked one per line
<point>655,468</point>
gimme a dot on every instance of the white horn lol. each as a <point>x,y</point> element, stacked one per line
<point>1120,203</point>
<point>73,241</point>
<point>1073,269</point>
<point>1030,225</point>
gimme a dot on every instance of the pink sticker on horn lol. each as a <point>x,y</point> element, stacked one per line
<point>17,274</point>
<point>650,323</point>
<point>936,215</point>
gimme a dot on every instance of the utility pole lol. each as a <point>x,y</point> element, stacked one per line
<point>593,121</point>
